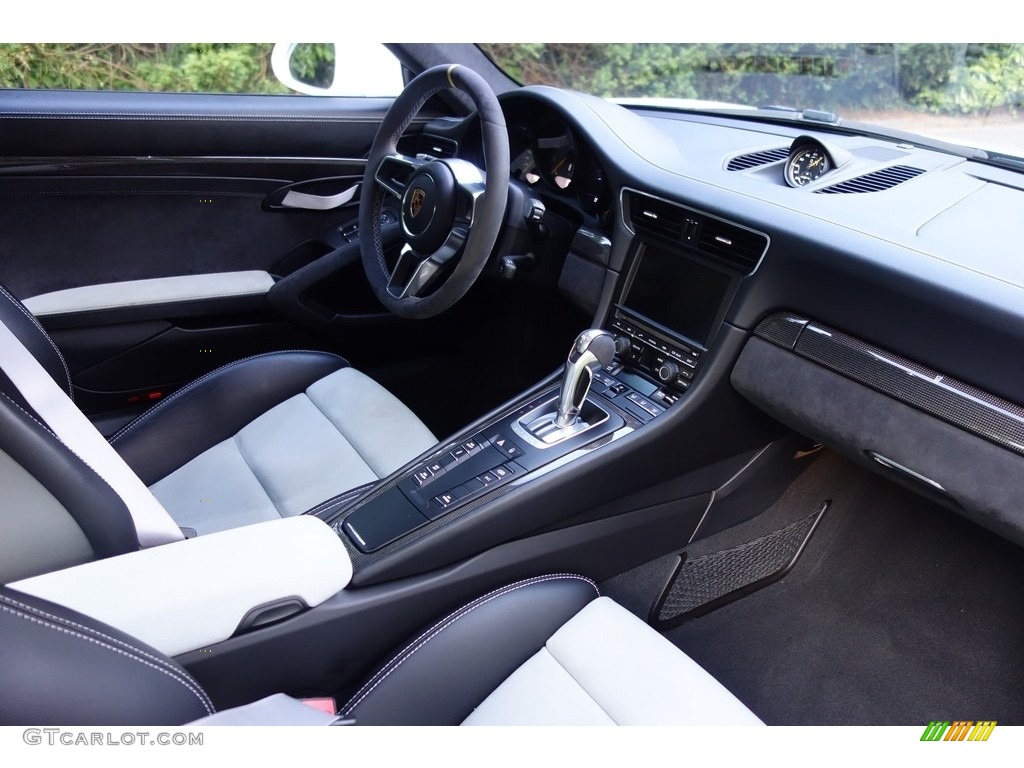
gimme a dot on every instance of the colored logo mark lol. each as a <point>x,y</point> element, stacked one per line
<point>959,730</point>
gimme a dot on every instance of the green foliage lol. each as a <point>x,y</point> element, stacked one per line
<point>980,79</point>
<point>953,78</point>
<point>183,67</point>
<point>313,63</point>
<point>940,77</point>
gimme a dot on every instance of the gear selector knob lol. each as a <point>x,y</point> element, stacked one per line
<point>592,349</point>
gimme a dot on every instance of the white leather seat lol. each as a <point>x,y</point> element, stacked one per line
<point>269,436</point>
<point>543,651</point>
<point>606,667</point>
<point>343,431</point>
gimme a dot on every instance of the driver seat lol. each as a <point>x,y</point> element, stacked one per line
<point>268,436</point>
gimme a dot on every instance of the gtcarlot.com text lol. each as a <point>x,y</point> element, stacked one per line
<point>73,738</point>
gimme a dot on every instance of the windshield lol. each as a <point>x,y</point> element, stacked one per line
<point>964,93</point>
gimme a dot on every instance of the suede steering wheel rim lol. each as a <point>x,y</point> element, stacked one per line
<point>451,213</point>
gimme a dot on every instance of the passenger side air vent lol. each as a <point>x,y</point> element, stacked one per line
<point>735,246</point>
<point>649,214</point>
<point>754,159</point>
<point>873,182</point>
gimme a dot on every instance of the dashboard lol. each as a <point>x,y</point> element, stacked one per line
<point>899,253</point>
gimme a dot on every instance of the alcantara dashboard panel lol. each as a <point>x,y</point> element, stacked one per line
<point>953,401</point>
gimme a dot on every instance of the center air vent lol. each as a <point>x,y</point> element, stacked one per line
<point>729,244</point>
<point>873,182</point>
<point>754,159</point>
<point>653,215</point>
<point>735,246</point>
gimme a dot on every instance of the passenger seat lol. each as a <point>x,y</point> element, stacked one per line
<point>543,651</point>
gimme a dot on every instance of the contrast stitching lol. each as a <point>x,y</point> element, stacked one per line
<point>407,653</point>
<point>188,387</point>
<point>91,630</point>
<point>30,316</point>
<point>126,654</point>
<point>37,421</point>
<point>85,463</point>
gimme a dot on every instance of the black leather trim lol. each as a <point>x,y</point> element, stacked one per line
<point>442,675</point>
<point>214,407</point>
<point>70,123</point>
<point>59,667</point>
<point>98,510</point>
<point>30,333</point>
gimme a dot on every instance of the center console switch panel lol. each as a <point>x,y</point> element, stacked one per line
<point>500,454</point>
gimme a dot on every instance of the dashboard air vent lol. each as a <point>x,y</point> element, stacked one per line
<point>732,245</point>
<point>652,215</point>
<point>437,146</point>
<point>873,182</point>
<point>754,159</point>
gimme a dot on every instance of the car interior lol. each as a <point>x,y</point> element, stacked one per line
<point>574,411</point>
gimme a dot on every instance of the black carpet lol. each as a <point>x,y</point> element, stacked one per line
<point>898,612</point>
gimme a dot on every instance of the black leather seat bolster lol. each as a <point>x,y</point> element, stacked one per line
<point>96,508</point>
<point>214,407</point>
<point>470,652</point>
<point>30,333</point>
<point>60,667</point>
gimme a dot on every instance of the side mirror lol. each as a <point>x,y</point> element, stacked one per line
<point>337,69</point>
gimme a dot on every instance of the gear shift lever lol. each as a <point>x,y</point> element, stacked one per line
<point>592,349</point>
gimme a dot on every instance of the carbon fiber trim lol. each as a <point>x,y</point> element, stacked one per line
<point>969,408</point>
<point>782,329</point>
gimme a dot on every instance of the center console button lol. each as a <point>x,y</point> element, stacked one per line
<point>446,499</point>
<point>460,453</point>
<point>506,446</point>
<point>501,472</point>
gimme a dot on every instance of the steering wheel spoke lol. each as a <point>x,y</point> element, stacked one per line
<point>415,273</point>
<point>394,172</point>
<point>470,185</point>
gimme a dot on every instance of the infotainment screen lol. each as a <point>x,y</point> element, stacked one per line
<point>677,293</point>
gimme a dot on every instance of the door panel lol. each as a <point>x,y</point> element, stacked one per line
<point>108,187</point>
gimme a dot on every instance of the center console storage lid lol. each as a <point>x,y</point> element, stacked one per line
<point>191,594</point>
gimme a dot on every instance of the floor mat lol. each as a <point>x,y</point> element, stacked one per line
<point>898,612</point>
<point>702,584</point>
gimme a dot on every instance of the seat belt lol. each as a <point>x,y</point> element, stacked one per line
<point>153,524</point>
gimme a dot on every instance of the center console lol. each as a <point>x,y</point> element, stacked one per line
<point>672,296</point>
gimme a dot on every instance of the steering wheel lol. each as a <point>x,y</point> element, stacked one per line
<point>449,209</point>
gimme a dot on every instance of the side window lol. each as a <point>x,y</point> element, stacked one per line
<point>336,69</point>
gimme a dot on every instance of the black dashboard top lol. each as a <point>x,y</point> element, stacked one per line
<point>904,246</point>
